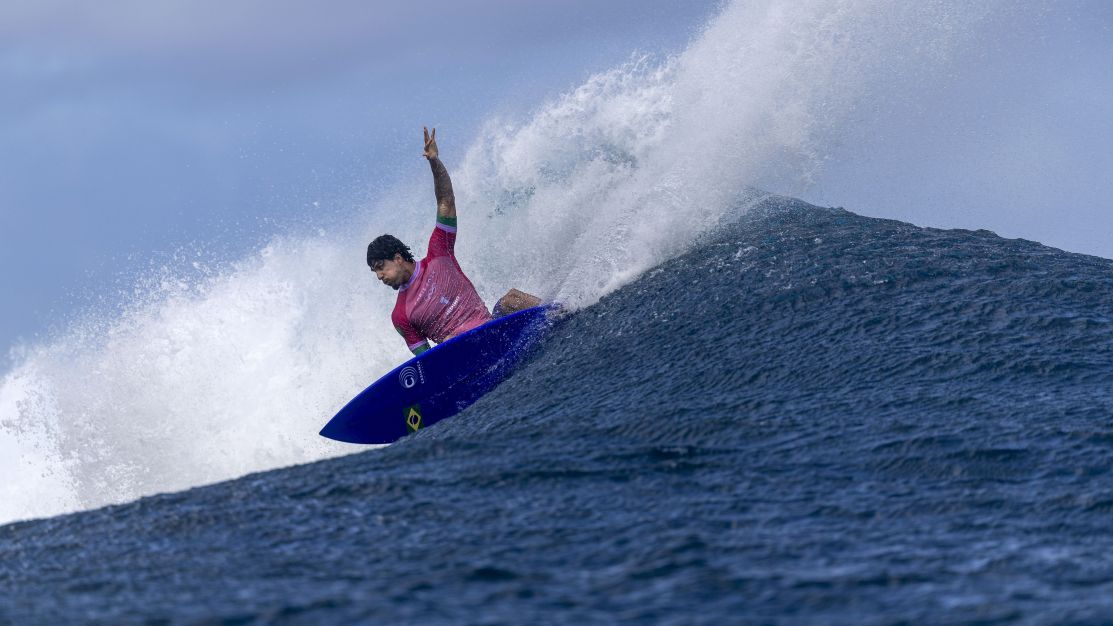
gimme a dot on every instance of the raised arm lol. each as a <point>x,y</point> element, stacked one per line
<point>442,184</point>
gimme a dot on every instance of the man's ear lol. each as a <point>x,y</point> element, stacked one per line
<point>398,257</point>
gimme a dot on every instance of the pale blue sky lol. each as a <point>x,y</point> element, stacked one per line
<point>1015,135</point>
<point>132,130</point>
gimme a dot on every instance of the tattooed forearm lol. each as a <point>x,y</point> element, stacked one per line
<point>442,185</point>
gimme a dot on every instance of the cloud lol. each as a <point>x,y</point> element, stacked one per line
<point>292,39</point>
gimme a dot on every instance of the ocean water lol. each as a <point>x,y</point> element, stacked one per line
<point>201,370</point>
<point>809,416</point>
<point>759,410</point>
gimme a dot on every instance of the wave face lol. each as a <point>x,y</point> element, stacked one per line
<point>207,373</point>
<point>810,415</point>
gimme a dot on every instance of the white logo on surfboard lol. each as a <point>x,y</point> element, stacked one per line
<point>411,375</point>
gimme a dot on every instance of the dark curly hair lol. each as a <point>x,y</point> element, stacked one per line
<point>385,247</point>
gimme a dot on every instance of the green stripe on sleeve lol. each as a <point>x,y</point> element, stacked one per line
<point>447,221</point>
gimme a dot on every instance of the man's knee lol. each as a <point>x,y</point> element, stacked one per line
<point>514,301</point>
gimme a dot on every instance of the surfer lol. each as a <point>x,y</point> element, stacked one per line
<point>436,301</point>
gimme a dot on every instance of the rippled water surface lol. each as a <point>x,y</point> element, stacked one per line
<point>811,416</point>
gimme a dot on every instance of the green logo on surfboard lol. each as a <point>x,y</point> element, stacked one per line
<point>413,418</point>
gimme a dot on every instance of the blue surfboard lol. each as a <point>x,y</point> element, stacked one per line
<point>441,381</point>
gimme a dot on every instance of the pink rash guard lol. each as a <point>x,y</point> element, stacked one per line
<point>438,302</point>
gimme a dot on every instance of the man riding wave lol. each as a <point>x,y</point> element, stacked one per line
<point>436,301</point>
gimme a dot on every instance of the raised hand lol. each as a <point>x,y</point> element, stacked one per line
<point>442,184</point>
<point>430,144</point>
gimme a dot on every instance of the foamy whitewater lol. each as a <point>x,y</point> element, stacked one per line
<point>207,375</point>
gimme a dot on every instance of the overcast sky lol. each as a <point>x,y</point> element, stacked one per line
<point>132,129</point>
<point>1015,135</point>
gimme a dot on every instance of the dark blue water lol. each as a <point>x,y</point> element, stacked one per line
<point>810,417</point>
